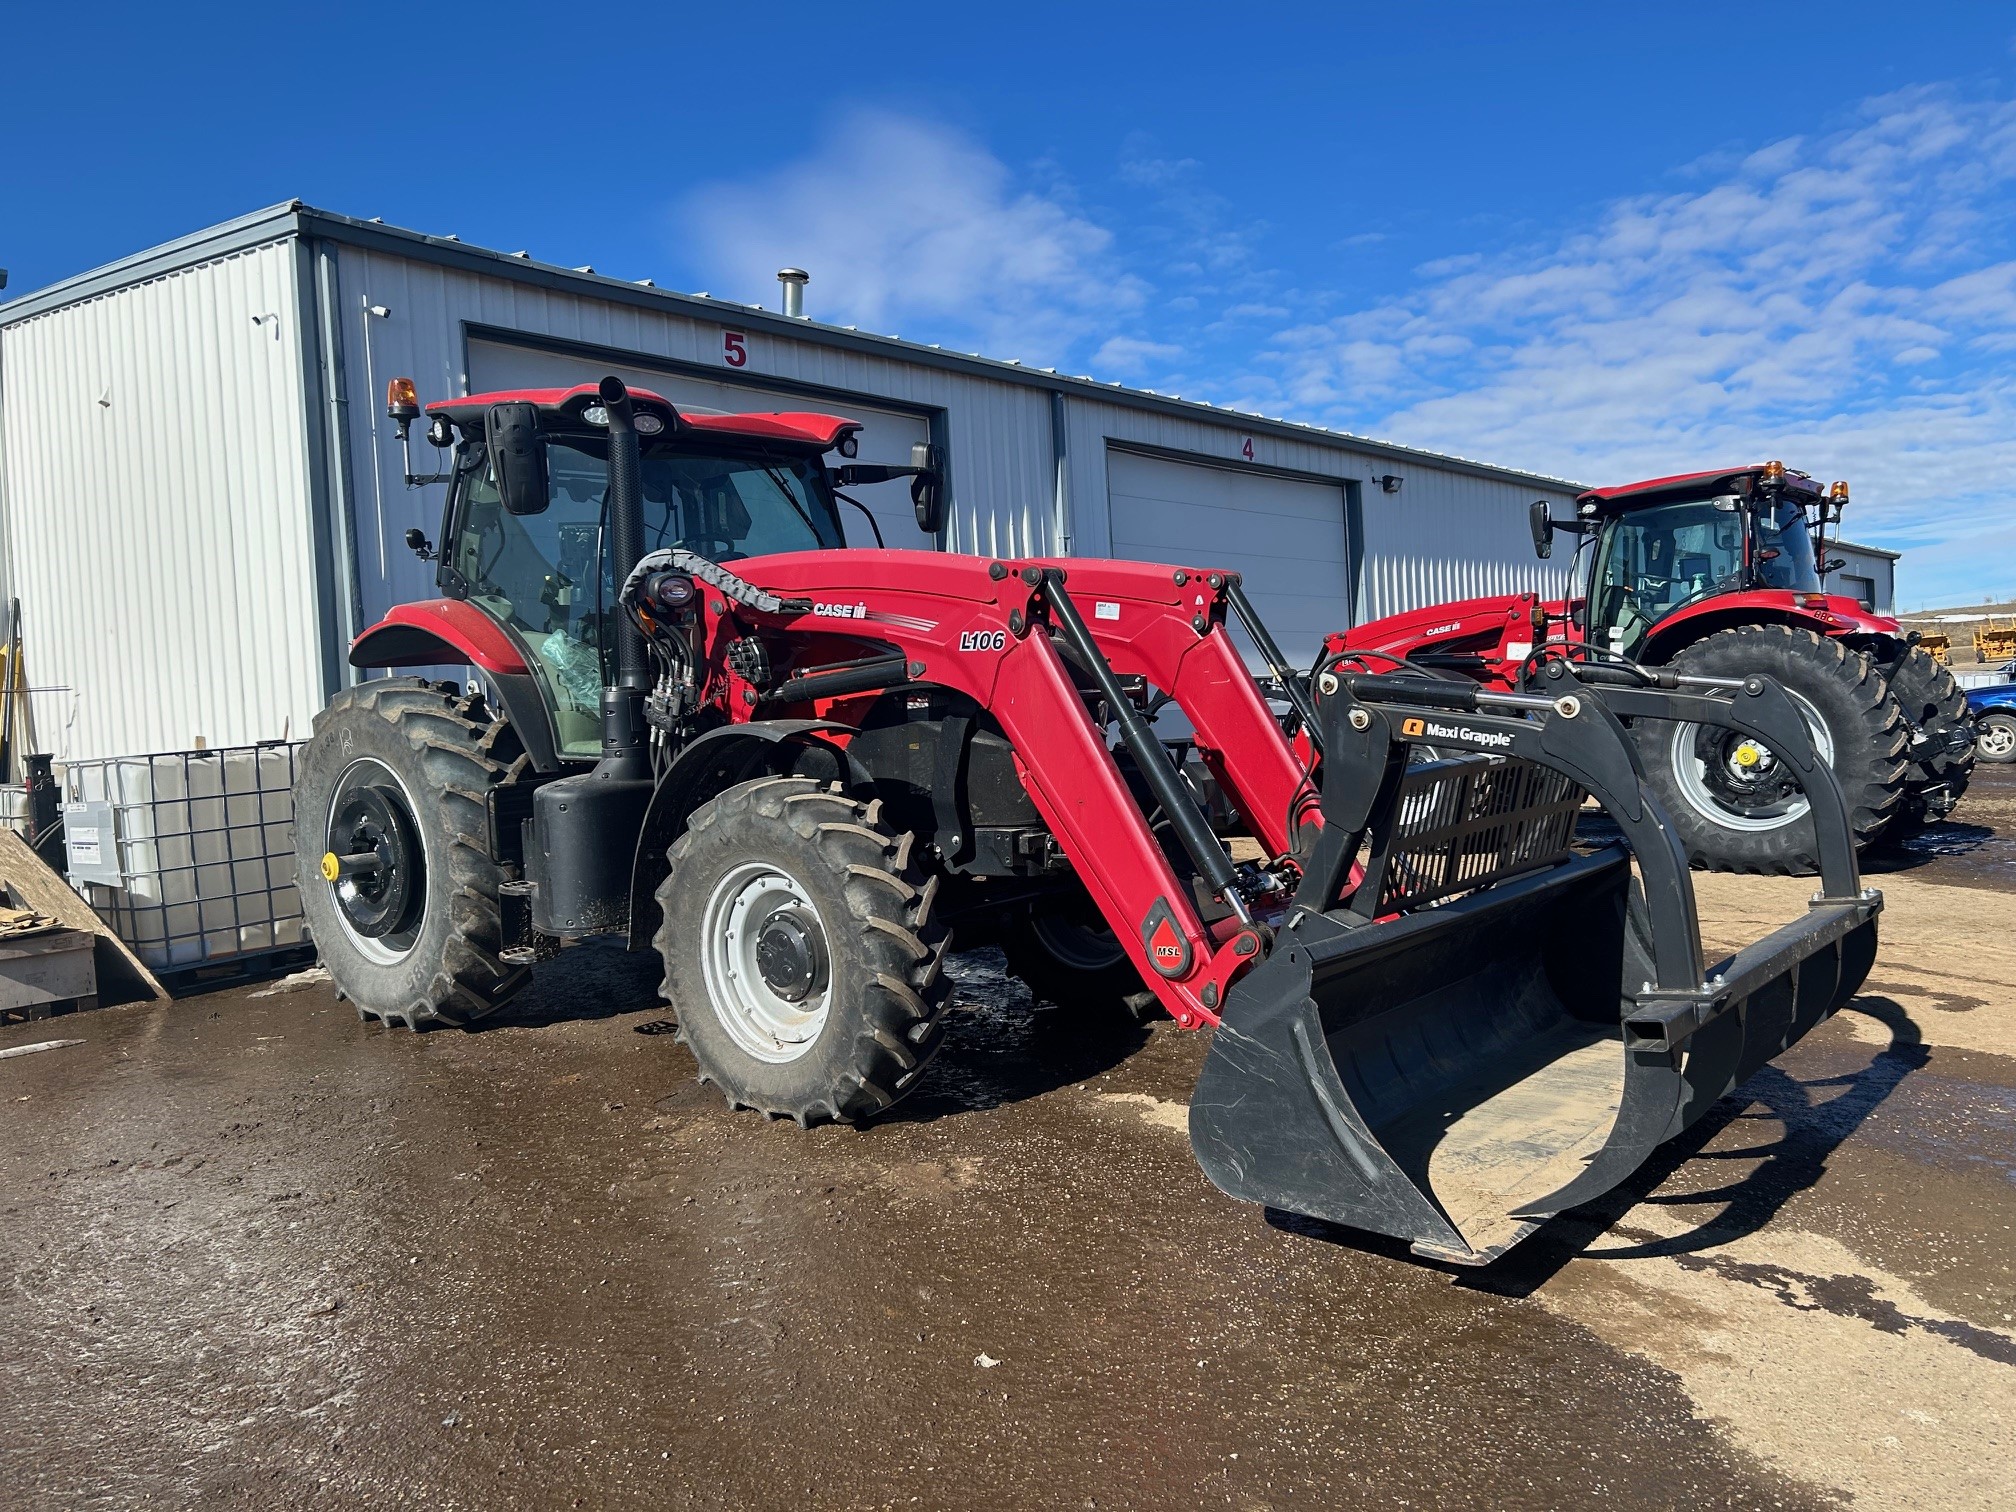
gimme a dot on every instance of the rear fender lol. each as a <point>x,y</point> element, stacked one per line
<point>708,765</point>
<point>1842,619</point>
<point>436,632</point>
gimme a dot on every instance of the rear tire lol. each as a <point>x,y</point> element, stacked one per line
<point>1731,820</point>
<point>1996,740</point>
<point>802,951</point>
<point>1066,954</point>
<point>1934,709</point>
<point>402,768</point>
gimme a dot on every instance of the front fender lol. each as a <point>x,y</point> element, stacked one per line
<point>716,760</point>
<point>434,632</point>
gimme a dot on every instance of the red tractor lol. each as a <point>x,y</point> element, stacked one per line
<point>802,775</point>
<point>1719,575</point>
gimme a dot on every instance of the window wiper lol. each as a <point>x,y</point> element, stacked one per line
<point>777,481</point>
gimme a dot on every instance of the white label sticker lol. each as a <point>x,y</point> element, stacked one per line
<point>1518,650</point>
<point>84,846</point>
<point>1101,609</point>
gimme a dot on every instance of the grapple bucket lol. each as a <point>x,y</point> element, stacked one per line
<point>1494,1028</point>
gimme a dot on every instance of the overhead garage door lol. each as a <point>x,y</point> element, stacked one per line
<point>1285,537</point>
<point>886,435</point>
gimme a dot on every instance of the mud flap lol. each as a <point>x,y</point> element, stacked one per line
<point>1456,1076</point>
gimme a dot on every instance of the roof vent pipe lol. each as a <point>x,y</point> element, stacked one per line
<point>793,281</point>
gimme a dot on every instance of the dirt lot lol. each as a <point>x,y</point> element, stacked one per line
<point>259,1253</point>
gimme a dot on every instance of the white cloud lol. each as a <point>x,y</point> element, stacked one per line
<point>1842,301</point>
<point>902,222</point>
<point>1130,355</point>
<point>1846,301</point>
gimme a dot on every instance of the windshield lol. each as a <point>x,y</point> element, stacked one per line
<point>1652,561</point>
<point>1785,549</point>
<point>547,576</point>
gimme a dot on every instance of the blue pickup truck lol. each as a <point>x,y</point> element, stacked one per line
<point>1994,711</point>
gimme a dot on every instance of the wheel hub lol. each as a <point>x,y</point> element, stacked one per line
<point>373,862</point>
<point>791,954</point>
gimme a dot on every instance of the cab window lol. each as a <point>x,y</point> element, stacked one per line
<point>548,575</point>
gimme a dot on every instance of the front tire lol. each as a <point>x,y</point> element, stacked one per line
<point>396,886</point>
<point>1733,806</point>
<point>803,952</point>
<point>1935,711</point>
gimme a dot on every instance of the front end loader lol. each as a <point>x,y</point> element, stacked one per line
<point>803,774</point>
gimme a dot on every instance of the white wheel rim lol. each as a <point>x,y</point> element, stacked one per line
<point>1997,737</point>
<point>1690,774</point>
<point>375,949</point>
<point>763,1023</point>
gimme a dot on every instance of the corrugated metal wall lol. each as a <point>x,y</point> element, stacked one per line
<point>1878,569</point>
<point>157,521</point>
<point>1448,535</point>
<point>997,435</point>
<point>1444,535</point>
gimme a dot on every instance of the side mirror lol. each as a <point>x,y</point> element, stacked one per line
<point>1542,524</point>
<point>927,488</point>
<point>518,458</point>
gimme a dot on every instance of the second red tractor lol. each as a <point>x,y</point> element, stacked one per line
<point>1720,574</point>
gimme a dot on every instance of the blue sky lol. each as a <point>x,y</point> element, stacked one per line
<point>1600,241</point>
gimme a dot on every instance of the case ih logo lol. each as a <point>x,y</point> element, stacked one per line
<point>1490,740</point>
<point>840,611</point>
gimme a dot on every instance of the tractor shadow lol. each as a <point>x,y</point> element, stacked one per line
<point>1002,1048</point>
<point>1945,841</point>
<point>1813,1117</point>
<point>597,979</point>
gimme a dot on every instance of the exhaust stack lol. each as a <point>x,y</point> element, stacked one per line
<point>792,281</point>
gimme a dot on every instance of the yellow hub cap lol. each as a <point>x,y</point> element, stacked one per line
<point>331,867</point>
<point>1747,756</point>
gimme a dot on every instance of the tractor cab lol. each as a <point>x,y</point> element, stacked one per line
<point>525,532</point>
<point>1663,548</point>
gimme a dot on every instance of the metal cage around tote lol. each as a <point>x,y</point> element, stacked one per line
<point>201,844</point>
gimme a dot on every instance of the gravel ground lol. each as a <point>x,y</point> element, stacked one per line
<point>257,1252</point>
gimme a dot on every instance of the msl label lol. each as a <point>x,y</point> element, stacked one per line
<point>1168,951</point>
<point>1431,729</point>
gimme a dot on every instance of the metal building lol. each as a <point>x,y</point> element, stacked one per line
<point>1868,573</point>
<point>199,504</point>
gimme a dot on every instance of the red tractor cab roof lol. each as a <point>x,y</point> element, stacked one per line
<point>567,406</point>
<point>1683,488</point>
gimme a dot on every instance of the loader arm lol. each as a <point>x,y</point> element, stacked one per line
<point>986,629</point>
